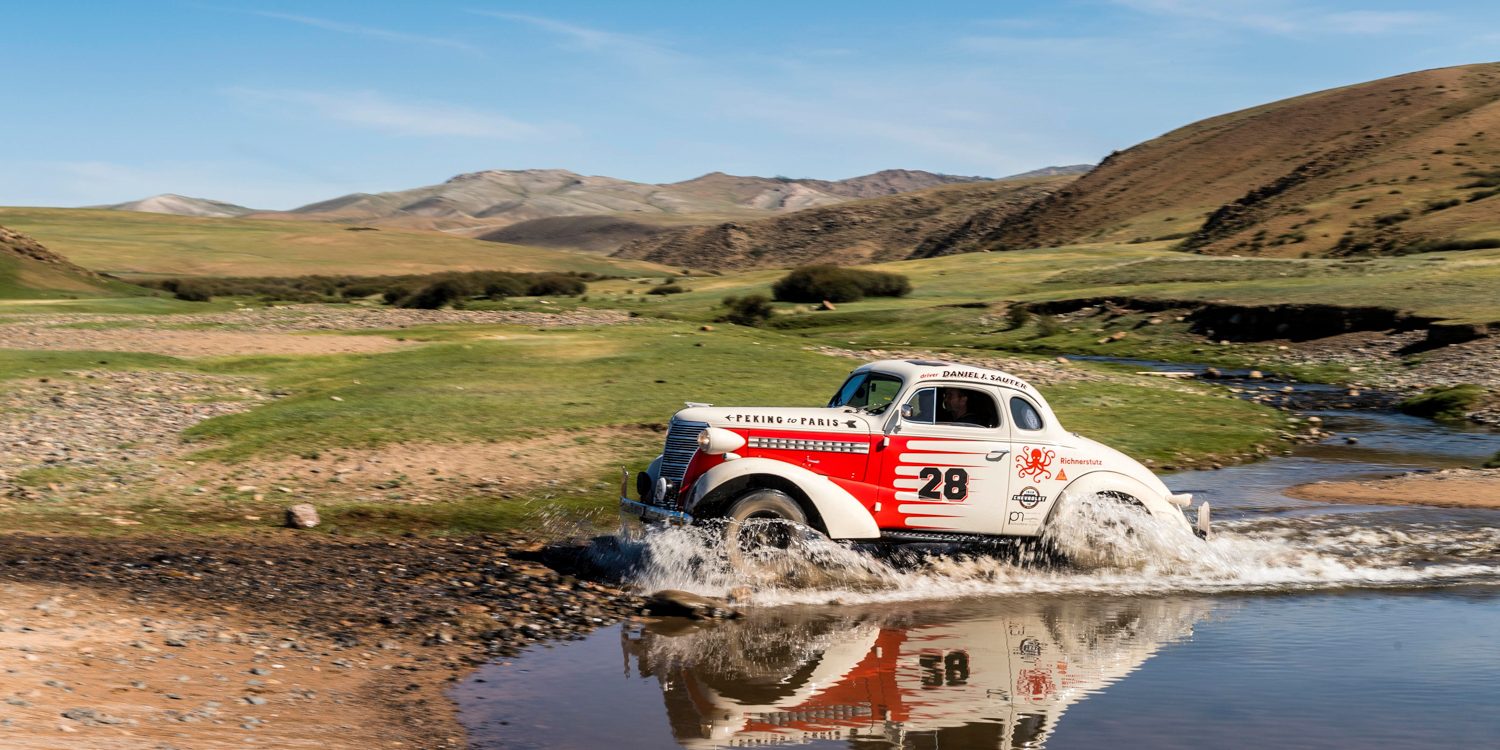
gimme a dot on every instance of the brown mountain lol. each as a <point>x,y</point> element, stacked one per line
<point>864,231</point>
<point>1393,165</point>
<point>480,202</point>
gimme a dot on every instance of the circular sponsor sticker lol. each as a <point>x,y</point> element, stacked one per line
<point>1028,498</point>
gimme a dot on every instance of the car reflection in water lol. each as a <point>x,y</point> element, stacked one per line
<point>929,676</point>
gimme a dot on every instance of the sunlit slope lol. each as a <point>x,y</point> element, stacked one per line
<point>1382,167</point>
<point>139,244</point>
<point>30,271</point>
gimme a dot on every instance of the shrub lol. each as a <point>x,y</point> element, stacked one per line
<point>192,291</point>
<point>434,295</point>
<point>838,284</point>
<point>1437,246</point>
<point>1448,403</point>
<point>505,286</point>
<point>668,288</point>
<point>1018,316</point>
<point>751,310</point>
<point>1046,325</point>
<point>1493,463</point>
<point>556,285</point>
<point>391,289</point>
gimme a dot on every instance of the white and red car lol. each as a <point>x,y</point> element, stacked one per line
<point>905,451</point>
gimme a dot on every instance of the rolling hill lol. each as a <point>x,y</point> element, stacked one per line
<point>181,205</point>
<point>1395,166</point>
<point>488,200</point>
<point>134,244</point>
<point>28,270</point>
<point>865,231</point>
<point>1389,166</point>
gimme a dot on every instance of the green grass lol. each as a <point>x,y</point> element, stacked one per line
<point>128,243</point>
<point>1450,403</point>
<point>524,383</point>
<point>1459,286</point>
<point>504,383</point>
<point>520,383</point>
<point>17,363</point>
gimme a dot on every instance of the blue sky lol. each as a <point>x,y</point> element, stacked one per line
<point>276,104</point>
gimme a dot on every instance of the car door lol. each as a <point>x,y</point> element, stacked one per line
<point>1035,475</point>
<point>941,474</point>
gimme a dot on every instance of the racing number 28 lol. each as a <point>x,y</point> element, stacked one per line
<point>954,484</point>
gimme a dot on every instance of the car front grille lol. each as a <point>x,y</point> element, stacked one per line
<point>682,443</point>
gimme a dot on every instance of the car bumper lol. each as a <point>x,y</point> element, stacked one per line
<point>636,510</point>
<point>650,513</point>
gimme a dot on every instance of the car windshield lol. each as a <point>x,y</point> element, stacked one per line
<point>871,391</point>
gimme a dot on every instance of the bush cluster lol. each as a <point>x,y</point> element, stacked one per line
<point>1449,403</point>
<point>424,291</point>
<point>838,284</point>
<point>750,310</point>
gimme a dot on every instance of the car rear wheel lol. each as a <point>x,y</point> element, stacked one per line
<point>761,525</point>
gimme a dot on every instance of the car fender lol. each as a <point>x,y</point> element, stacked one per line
<point>1154,498</point>
<point>842,515</point>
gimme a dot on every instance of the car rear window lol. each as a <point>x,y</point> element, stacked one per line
<point>1025,415</point>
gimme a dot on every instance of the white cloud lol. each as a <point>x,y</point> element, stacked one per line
<point>368,109</point>
<point>1279,17</point>
<point>625,46</point>
<point>368,31</point>
<point>1377,22</point>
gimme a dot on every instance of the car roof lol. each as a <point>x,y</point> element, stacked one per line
<point>914,370</point>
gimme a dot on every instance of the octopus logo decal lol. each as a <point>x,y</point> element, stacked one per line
<point>1032,463</point>
<point>1035,684</point>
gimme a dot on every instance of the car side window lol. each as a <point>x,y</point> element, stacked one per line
<point>966,407</point>
<point>923,405</point>
<point>1025,415</point>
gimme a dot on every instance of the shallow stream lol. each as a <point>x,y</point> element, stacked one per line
<point>1298,625</point>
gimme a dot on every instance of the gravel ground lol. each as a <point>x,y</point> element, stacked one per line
<point>262,331</point>
<point>384,623</point>
<point>100,428</point>
<point>324,318</point>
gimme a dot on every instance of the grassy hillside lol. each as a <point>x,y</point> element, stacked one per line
<point>1374,168</point>
<point>139,244</point>
<point>29,271</point>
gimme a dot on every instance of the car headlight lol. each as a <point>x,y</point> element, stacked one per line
<point>717,440</point>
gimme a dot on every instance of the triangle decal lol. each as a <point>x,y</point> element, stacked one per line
<point>1062,474</point>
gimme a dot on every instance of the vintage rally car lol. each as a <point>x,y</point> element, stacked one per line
<point>905,451</point>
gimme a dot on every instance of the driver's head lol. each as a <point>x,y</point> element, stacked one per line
<point>955,401</point>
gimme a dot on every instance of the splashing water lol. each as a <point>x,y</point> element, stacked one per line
<point>1093,545</point>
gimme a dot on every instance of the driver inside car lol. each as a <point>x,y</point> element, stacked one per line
<point>956,407</point>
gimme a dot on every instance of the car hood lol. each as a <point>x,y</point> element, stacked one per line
<point>783,418</point>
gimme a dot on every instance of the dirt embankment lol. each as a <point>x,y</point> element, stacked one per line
<point>1451,488</point>
<point>300,330</point>
<point>282,640</point>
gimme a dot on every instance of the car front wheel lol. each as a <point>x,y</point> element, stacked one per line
<point>761,525</point>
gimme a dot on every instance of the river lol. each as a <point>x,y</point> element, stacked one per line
<point>1299,625</point>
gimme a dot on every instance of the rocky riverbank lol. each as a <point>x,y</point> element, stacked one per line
<point>283,640</point>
